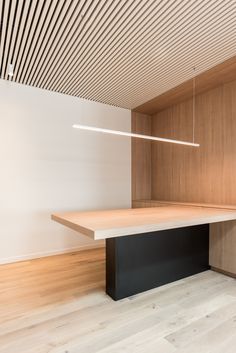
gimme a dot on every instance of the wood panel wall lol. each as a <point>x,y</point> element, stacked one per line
<point>206,174</point>
<point>141,158</point>
<point>197,175</point>
<point>223,246</point>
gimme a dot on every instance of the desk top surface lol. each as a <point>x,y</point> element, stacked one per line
<point>116,223</point>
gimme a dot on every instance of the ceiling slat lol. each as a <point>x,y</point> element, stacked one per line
<point>89,37</point>
<point>141,36</point>
<point>192,49</point>
<point>48,43</point>
<point>30,12</point>
<point>20,27</point>
<point>51,41</point>
<point>36,36</point>
<point>11,19</point>
<point>90,7</point>
<point>137,63</point>
<point>4,32</point>
<point>101,41</point>
<point>119,52</point>
<point>15,29</point>
<point>165,86</point>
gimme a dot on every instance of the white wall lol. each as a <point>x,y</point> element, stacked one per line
<point>46,166</point>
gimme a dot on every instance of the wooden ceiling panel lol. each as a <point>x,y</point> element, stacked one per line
<point>120,52</point>
<point>216,76</point>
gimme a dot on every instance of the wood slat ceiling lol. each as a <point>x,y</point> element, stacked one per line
<point>120,52</point>
<point>216,76</point>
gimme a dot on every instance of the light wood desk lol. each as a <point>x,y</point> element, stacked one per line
<point>148,247</point>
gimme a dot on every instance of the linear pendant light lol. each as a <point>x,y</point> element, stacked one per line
<point>146,137</point>
<point>130,134</point>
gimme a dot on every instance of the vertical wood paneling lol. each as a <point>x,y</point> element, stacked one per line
<point>141,158</point>
<point>223,246</point>
<point>206,174</point>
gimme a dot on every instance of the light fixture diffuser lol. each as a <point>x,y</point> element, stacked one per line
<point>130,134</point>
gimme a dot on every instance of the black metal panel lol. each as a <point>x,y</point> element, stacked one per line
<point>136,263</point>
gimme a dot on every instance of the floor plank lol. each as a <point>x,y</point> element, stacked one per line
<point>57,305</point>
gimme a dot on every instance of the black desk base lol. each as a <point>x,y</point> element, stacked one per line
<point>136,263</point>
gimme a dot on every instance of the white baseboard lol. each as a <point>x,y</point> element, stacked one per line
<point>8,260</point>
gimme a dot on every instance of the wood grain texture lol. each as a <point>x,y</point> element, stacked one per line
<point>199,175</point>
<point>115,223</point>
<point>141,157</point>
<point>216,76</point>
<point>58,305</point>
<point>231,274</point>
<point>222,246</point>
<point>157,203</point>
<point>120,52</point>
<point>205,174</point>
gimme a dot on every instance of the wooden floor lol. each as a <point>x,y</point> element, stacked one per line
<point>58,305</point>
